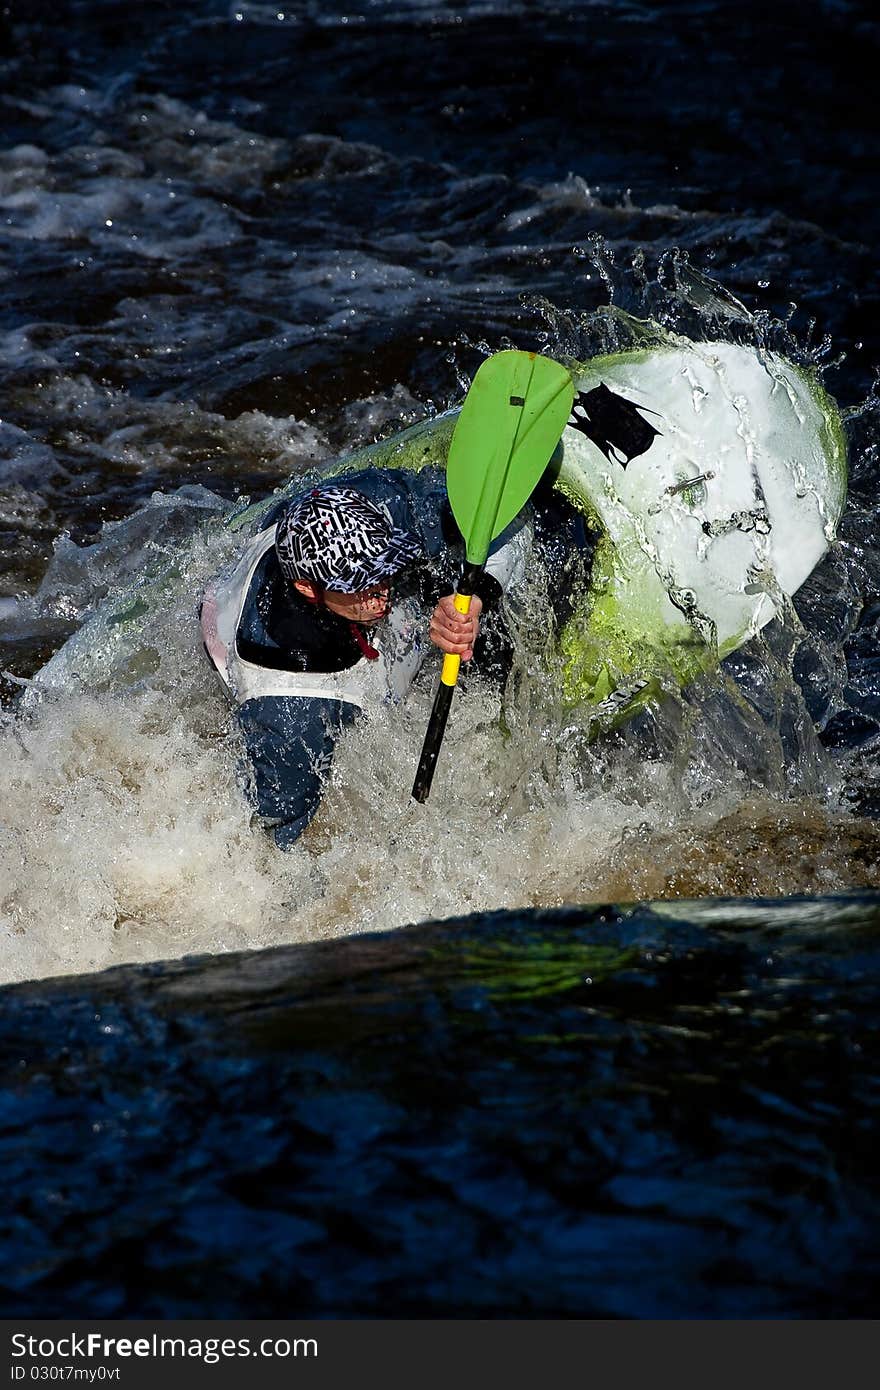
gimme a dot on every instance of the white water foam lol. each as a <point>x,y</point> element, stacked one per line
<point>126,835</point>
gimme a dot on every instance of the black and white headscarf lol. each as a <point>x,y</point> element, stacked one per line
<point>340,540</point>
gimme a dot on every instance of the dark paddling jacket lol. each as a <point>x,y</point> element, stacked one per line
<point>297,672</point>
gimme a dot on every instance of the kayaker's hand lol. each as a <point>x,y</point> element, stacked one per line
<point>456,632</point>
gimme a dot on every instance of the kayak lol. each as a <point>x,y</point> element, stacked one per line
<point>716,485</point>
<point>714,474</point>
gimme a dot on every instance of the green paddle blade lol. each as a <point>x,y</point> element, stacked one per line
<point>511,421</point>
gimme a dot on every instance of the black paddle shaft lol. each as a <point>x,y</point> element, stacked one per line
<point>433,739</point>
<point>441,708</point>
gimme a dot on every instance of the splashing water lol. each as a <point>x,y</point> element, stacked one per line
<point>125,831</point>
<point>127,834</point>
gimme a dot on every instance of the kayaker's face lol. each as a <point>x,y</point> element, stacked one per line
<point>367,607</point>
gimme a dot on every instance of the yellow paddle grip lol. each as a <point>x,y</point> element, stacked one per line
<point>451,661</point>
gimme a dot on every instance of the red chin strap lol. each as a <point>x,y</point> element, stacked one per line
<point>357,633</point>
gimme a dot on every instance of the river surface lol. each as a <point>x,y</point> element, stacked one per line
<point>237,241</point>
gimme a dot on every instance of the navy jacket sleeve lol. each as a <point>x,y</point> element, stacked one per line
<point>290,744</point>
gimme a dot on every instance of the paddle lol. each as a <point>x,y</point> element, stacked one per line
<point>510,423</point>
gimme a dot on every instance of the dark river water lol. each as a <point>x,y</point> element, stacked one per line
<point>415,1068</point>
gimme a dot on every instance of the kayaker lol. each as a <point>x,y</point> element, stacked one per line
<point>326,614</point>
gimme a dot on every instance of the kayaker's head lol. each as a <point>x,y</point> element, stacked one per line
<point>338,548</point>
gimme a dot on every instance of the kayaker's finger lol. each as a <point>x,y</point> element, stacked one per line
<point>456,639</point>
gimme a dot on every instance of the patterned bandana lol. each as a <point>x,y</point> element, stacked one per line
<point>340,540</point>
